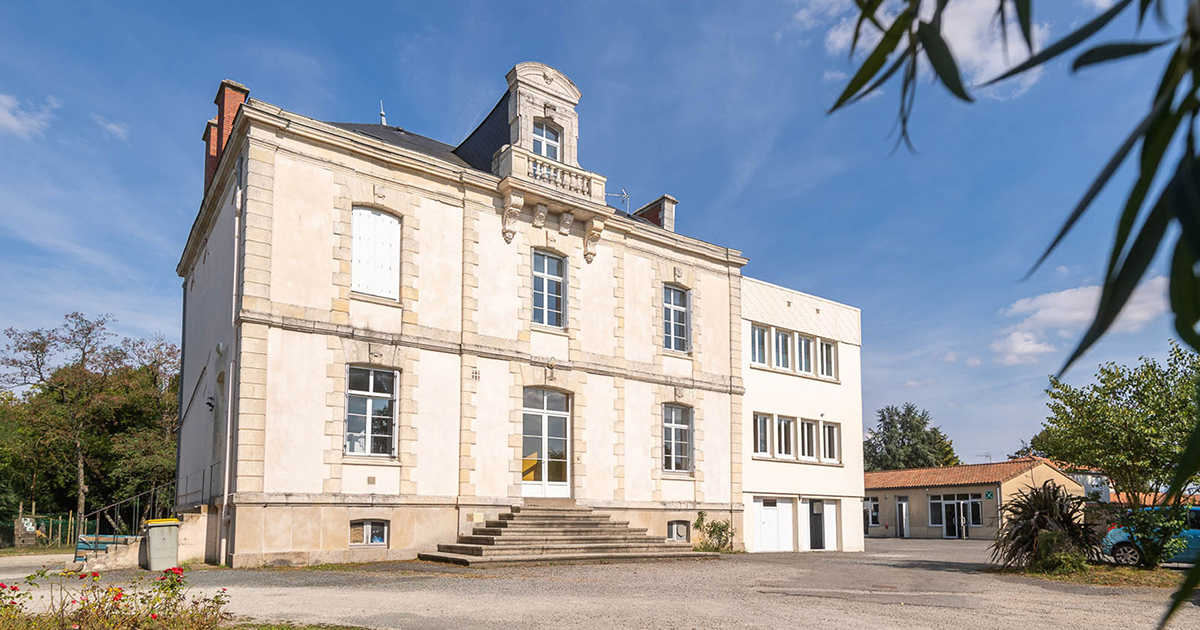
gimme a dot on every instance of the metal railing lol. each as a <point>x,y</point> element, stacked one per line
<point>123,520</point>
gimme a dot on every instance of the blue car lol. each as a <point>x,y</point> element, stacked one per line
<point>1124,550</point>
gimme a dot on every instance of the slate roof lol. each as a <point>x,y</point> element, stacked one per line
<point>407,140</point>
<point>774,305</point>
<point>965,475</point>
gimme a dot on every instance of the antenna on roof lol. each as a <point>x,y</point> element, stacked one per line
<point>623,195</point>
<point>382,115</point>
<point>988,455</point>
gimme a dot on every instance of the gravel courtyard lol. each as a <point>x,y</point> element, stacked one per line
<point>895,584</point>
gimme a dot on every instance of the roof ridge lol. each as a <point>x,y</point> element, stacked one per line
<point>1003,463</point>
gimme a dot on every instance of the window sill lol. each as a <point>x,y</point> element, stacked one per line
<point>549,330</point>
<point>370,460</point>
<point>375,299</point>
<point>789,460</point>
<point>678,476</point>
<point>807,375</point>
<point>677,353</point>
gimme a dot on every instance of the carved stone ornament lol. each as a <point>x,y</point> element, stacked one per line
<point>539,215</point>
<point>678,274</point>
<point>513,202</point>
<point>595,228</point>
<point>564,222</point>
<point>549,110</point>
<point>678,393</point>
<point>548,76</point>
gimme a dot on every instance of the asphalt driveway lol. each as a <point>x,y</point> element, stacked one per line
<point>894,584</point>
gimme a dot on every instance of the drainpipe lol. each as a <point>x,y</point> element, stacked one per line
<point>230,401</point>
<point>179,395</point>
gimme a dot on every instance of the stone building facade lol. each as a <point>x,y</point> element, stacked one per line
<point>388,340</point>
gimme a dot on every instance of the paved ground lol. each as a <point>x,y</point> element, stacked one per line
<point>895,584</point>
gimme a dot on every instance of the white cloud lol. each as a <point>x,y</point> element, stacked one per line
<point>974,362</point>
<point>25,123</point>
<point>1020,346</point>
<point>969,27</point>
<point>912,383</point>
<point>951,357</point>
<point>116,129</point>
<point>834,76</point>
<point>1063,314</point>
<point>1097,4</point>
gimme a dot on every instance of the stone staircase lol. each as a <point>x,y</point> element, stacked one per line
<point>554,534</point>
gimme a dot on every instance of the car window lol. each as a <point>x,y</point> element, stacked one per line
<point>1193,519</point>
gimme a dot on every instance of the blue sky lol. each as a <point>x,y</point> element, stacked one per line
<point>720,104</point>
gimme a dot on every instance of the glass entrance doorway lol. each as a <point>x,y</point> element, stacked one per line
<point>545,447</point>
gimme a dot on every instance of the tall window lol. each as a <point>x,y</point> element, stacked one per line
<point>677,438</point>
<point>783,349</point>
<point>375,253</point>
<point>545,430</point>
<point>804,350</point>
<point>828,359</point>
<point>549,289</point>
<point>370,412</point>
<point>785,437</point>
<point>808,439</point>
<point>831,448</point>
<point>545,140</point>
<point>872,511</point>
<point>762,434</point>
<point>369,533</point>
<point>758,345</point>
<point>675,318</point>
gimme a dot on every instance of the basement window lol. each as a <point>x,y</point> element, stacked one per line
<point>369,533</point>
<point>678,531</point>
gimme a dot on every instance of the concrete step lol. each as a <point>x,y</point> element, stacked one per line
<point>539,509</point>
<point>566,531</point>
<point>509,539</point>
<point>544,516</point>
<point>570,558</point>
<point>559,548</point>
<point>542,523</point>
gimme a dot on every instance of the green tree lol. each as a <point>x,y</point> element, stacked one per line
<point>1131,423</point>
<point>903,438</point>
<point>910,40</point>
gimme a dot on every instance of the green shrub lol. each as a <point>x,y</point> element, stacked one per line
<point>714,535</point>
<point>1048,508</point>
<point>1057,555</point>
<point>1156,531</point>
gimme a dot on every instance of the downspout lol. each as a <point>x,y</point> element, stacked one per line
<point>230,401</point>
<point>179,403</point>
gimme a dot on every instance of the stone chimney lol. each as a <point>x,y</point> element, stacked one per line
<point>660,212</point>
<point>230,97</point>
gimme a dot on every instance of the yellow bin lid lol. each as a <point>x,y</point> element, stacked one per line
<point>163,521</point>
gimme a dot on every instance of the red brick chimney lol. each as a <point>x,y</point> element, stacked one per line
<point>660,212</point>
<point>210,152</point>
<point>230,97</point>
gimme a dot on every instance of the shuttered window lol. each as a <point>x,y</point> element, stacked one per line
<point>376,253</point>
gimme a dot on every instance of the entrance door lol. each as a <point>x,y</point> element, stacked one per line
<point>816,525</point>
<point>902,517</point>
<point>950,520</point>
<point>774,530</point>
<point>545,461</point>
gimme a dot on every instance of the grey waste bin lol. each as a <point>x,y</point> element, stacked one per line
<point>162,541</point>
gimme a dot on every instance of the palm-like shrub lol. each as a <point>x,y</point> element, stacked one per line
<point>1030,513</point>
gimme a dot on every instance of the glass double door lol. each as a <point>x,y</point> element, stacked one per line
<point>545,444</point>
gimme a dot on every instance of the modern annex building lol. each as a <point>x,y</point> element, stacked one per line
<point>389,341</point>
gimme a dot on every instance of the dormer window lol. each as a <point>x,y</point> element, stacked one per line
<point>545,140</point>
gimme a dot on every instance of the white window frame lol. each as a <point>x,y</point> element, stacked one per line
<point>368,529</point>
<point>827,444</point>
<point>370,395</point>
<point>936,500</point>
<point>762,430</point>
<point>544,311</point>
<point>545,142</point>
<point>872,511</point>
<point>375,252</point>
<point>785,437</point>
<point>783,349</point>
<point>809,439</point>
<point>804,354</point>
<point>674,315</point>
<point>679,531</point>
<point>828,358</point>
<point>677,420</point>
<point>975,500</point>
<point>759,344</point>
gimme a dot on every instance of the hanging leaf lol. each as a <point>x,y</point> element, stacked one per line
<point>1025,19</point>
<point>876,59</point>
<point>1112,52</point>
<point>940,57</point>
<point>1066,43</point>
<point>1188,465</point>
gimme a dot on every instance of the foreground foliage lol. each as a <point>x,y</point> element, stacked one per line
<point>1156,532</point>
<point>714,535</point>
<point>79,601</point>
<point>1042,528</point>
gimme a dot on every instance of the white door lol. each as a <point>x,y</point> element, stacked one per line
<point>902,518</point>
<point>831,524</point>
<point>545,447</point>
<point>773,526</point>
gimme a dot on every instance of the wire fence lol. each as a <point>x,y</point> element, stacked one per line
<point>39,531</point>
